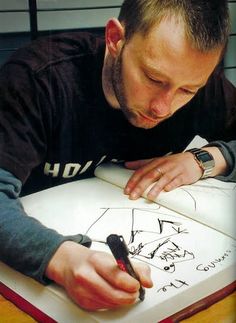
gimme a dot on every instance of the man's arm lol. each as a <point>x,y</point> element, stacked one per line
<point>26,244</point>
<point>175,170</point>
<point>91,278</point>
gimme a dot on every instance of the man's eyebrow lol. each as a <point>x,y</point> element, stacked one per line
<point>156,72</point>
<point>196,86</point>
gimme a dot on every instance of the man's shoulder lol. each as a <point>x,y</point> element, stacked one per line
<point>56,48</point>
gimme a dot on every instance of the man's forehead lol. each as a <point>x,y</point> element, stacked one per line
<point>166,52</point>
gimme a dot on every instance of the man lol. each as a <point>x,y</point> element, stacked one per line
<point>69,103</point>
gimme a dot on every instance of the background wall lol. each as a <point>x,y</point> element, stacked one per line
<point>19,23</point>
<point>230,58</point>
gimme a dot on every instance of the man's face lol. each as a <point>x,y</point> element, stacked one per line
<point>155,75</point>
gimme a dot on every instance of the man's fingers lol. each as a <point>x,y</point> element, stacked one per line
<point>165,183</point>
<point>94,288</point>
<point>93,302</point>
<point>165,180</point>
<point>176,182</point>
<point>141,167</point>
<point>116,277</point>
<point>161,184</point>
<point>144,273</point>
<point>137,163</point>
<point>141,179</point>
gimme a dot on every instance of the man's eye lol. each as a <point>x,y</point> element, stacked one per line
<point>154,80</point>
<point>188,92</point>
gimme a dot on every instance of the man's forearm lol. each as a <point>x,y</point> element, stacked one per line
<point>26,244</point>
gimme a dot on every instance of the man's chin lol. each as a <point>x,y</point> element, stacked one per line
<point>136,122</point>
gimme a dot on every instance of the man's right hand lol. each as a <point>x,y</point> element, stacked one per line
<point>93,279</point>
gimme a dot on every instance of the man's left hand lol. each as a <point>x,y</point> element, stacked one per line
<point>168,173</point>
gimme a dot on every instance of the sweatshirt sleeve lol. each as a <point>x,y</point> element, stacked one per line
<point>26,245</point>
<point>215,119</point>
<point>228,150</point>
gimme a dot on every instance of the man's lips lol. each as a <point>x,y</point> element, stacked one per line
<point>148,118</point>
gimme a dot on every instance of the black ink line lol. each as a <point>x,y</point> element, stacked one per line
<point>192,197</point>
<point>96,220</point>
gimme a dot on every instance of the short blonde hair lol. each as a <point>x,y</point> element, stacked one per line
<point>206,22</point>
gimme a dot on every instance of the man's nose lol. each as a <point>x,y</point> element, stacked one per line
<point>160,106</point>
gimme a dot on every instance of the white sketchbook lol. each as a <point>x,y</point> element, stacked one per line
<point>189,260</point>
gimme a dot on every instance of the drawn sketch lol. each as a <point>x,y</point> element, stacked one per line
<point>154,241</point>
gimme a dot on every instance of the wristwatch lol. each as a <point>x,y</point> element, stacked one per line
<point>204,159</point>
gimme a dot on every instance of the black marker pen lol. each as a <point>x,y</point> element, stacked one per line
<point>120,252</point>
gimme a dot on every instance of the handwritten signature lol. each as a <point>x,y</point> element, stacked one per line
<point>178,283</point>
<point>214,262</point>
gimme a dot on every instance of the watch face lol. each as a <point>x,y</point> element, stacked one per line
<point>205,157</point>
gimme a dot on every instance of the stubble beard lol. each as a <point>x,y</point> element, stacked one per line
<point>117,81</point>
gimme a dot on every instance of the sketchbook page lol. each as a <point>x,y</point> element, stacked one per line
<point>209,201</point>
<point>188,260</point>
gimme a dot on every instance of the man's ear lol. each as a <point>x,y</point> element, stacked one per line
<point>114,36</point>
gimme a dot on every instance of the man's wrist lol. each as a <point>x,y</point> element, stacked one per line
<point>56,266</point>
<point>221,165</point>
<point>204,159</point>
